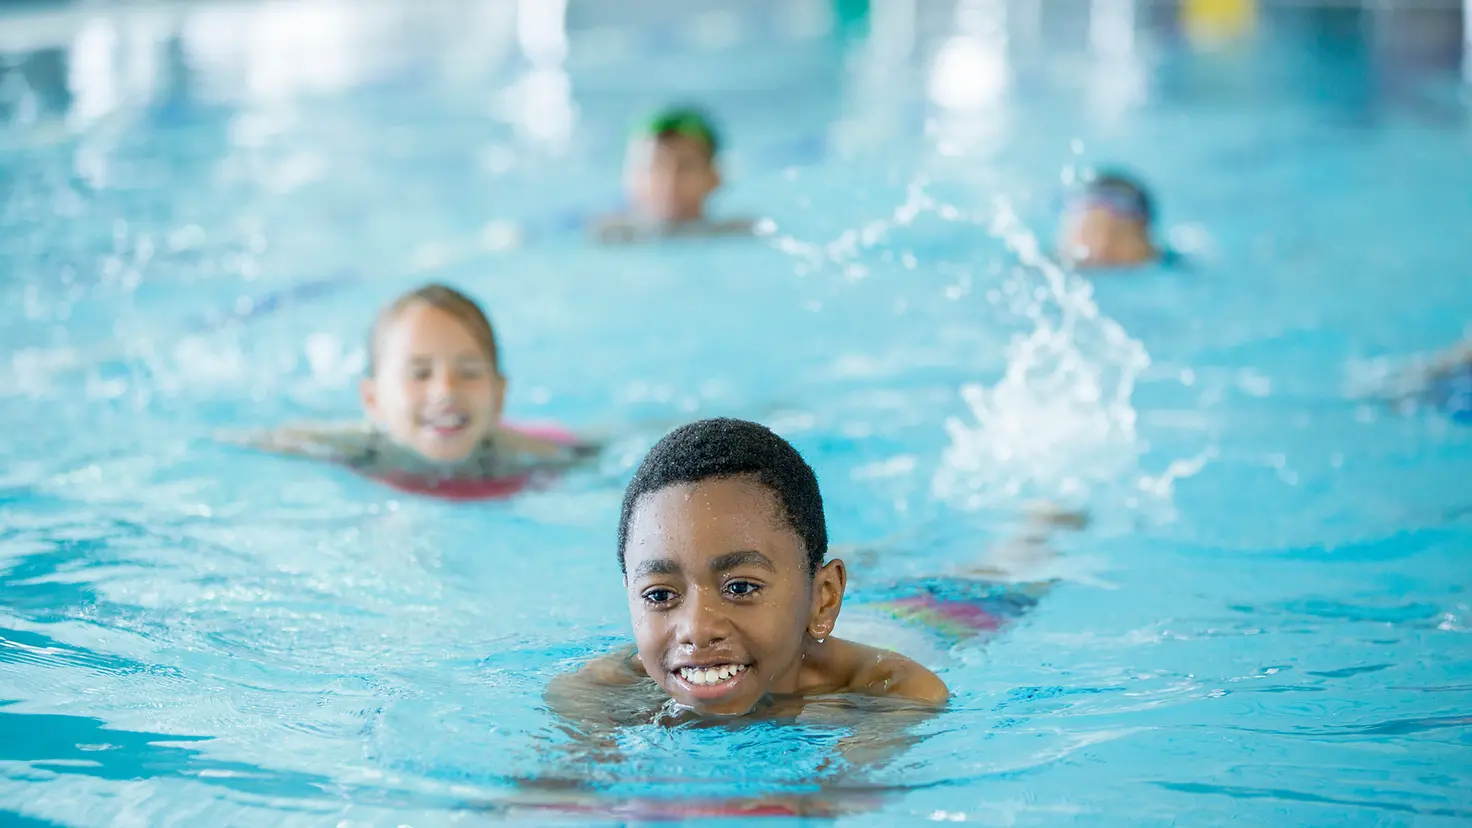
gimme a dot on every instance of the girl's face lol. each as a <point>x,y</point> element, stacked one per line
<point>435,389</point>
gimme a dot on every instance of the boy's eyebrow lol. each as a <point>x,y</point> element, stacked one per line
<point>656,566</point>
<point>731,560</point>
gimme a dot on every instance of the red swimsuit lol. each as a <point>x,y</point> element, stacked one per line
<point>476,488</point>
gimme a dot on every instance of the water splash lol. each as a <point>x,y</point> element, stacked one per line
<point>1059,423</point>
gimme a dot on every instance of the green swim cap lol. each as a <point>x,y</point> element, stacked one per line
<point>686,122</point>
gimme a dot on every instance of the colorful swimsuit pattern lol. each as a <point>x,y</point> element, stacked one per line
<point>955,608</point>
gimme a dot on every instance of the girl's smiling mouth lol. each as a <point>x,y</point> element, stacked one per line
<point>446,424</point>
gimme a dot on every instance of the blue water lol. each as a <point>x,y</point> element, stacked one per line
<point>1267,621</point>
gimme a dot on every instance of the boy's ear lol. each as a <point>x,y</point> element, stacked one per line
<point>715,177</point>
<point>368,393</point>
<point>828,586</point>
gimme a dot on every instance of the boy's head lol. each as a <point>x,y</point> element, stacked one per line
<point>721,541</point>
<point>671,166</point>
<point>434,381</point>
<point>1107,223</point>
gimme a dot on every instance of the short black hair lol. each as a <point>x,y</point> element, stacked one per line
<point>722,447</point>
<point>1130,187</point>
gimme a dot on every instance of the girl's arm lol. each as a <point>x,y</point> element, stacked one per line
<point>337,442</point>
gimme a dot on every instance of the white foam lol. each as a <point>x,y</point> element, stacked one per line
<point>1059,424</point>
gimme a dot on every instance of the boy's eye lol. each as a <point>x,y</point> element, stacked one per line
<point>659,595</point>
<point>421,372</point>
<point>743,589</point>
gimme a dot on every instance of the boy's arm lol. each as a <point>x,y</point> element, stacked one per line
<point>881,737</point>
<point>587,703</point>
<point>901,693</point>
<point>581,698</point>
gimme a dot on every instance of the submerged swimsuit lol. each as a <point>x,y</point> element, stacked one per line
<point>487,482</point>
<point>954,608</point>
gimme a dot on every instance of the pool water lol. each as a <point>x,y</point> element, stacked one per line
<point>1267,620</point>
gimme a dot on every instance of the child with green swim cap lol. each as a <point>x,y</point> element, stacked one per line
<point>670,173</point>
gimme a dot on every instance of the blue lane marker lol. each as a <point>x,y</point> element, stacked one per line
<point>254,307</point>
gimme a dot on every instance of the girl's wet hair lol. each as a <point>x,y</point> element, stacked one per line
<point>449,300</point>
<point>720,447</point>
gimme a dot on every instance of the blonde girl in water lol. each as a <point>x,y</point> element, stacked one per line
<point>433,395</point>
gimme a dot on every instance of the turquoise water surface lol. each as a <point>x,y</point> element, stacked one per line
<point>201,208</point>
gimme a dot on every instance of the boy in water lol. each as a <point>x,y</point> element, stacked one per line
<point>670,174</point>
<point>722,541</point>
<point>1108,224</point>
<point>433,396</point>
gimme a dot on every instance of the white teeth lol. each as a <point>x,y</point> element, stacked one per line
<point>712,675</point>
<point>447,420</point>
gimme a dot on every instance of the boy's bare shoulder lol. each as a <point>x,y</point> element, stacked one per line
<point>885,673</point>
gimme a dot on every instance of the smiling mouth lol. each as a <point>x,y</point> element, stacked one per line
<point>710,682</point>
<point>447,424</point>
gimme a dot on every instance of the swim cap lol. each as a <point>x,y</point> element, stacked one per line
<point>1117,193</point>
<point>686,122</point>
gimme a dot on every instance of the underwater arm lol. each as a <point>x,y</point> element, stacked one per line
<point>590,705</point>
<point>878,738</point>
<point>587,700</point>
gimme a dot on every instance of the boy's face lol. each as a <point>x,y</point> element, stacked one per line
<point>720,596</point>
<point>434,388</point>
<point>670,177</point>
<point>1095,234</point>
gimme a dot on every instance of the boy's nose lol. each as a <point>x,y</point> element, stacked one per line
<point>703,623</point>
